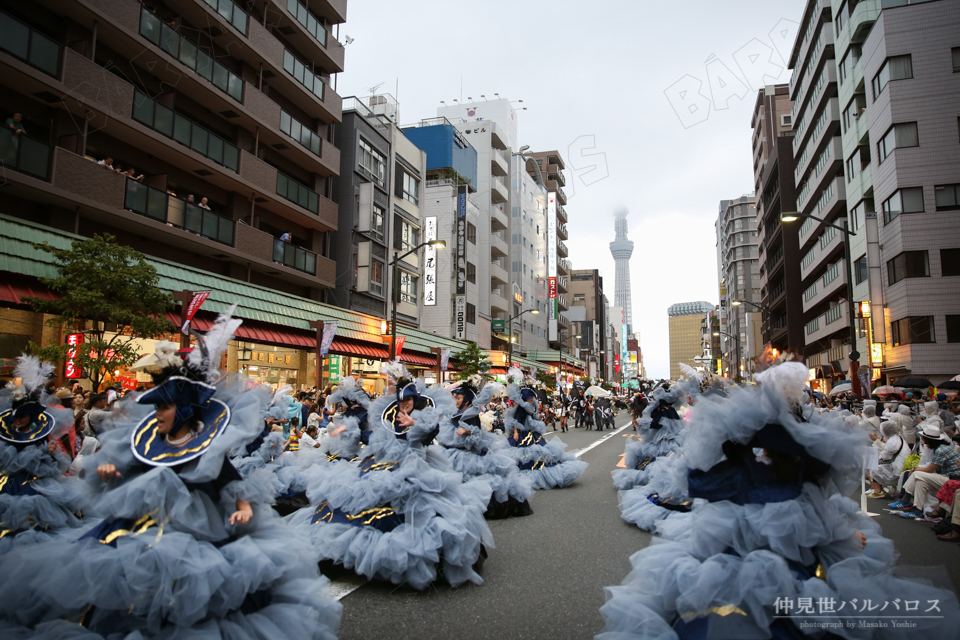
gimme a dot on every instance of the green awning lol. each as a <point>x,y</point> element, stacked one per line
<point>254,302</point>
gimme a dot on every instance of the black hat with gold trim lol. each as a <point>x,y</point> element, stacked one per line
<point>188,384</point>
<point>27,421</point>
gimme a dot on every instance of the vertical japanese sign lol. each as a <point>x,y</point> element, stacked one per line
<point>400,341</point>
<point>195,303</point>
<point>430,263</point>
<point>553,303</point>
<point>71,369</point>
<point>460,318</point>
<point>444,359</point>
<point>460,268</point>
<point>329,330</point>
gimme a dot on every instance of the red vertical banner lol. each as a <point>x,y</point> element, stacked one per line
<point>400,340</point>
<point>193,307</point>
<point>71,369</point>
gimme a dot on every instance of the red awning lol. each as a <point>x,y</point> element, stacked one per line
<point>346,347</point>
<point>497,370</point>
<point>413,358</point>
<point>15,292</point>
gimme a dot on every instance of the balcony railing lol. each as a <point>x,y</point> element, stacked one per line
<point>295,257</point>
<point>831,274</point>
<point>163,207</point>
<point>190,55</point>
<point>810,293</point>
<point>833,314</point>
<point>231,12</point>
<point>813,326</point>
<point>313,26</point>
<point>29,45</point>
<point>310,81</point>
<point>164,120</point>
<point>297,193</point>
<point>300,132</point>
<point>25,154</point>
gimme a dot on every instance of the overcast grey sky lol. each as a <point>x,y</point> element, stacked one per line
<point>603,69</point>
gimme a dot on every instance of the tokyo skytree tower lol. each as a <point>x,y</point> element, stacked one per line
<point>622,249</point>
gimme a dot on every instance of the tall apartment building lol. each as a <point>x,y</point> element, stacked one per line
<point>778,243</point>
<point>491,129</point>
<point>738,267</point>
<point>900,140</point>
<point>686,324</point>
<point>587,315</point>
<point>529,256</point>
<point>380,216</point>
<point>547,169</point>
<point>821,195</point>
<point>167,92</point>
<point>449,213</point>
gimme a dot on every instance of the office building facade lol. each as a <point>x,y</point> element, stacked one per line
<point>687,337</point>
<point>738,265</point>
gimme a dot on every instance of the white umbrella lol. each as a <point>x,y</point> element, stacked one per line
<point>843,387</point>
<point>148,361</point>
<point>956,378</point>
<point>597,391</point>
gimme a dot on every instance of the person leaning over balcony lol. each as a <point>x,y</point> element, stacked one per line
<point>10,139</point>
<point>107,162</point>
<point>191,199</point>
<point>203,204</point>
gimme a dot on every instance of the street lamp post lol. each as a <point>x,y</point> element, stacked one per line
<point>760,308</point>
<point>395,289</point>
<point>854,354</point>
<point>510,334</point>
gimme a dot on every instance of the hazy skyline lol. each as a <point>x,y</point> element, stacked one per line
<point>614,71</point>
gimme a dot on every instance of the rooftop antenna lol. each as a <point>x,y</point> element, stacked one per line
<point>373,89</point>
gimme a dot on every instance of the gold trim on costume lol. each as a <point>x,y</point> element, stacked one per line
<point>3,480</point>
<point>725,610</point>
<point>138,527</point>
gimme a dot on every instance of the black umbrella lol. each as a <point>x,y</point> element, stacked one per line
<point>912,382</point>
<point>950,385</point>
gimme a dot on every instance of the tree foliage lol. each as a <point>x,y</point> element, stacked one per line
<point>471,360</point>
<point>547,379</point>
<point>113,287</point>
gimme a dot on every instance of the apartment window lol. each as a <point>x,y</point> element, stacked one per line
<point>406,236</point>
<point>579,298</point>
<point>471,313</point>
<point>303,74</point>
<point>841,19</point>
<point>376,224</point>
<point>947,197</point>
<point>953,328</point>
<point>408,287</point>
<point>909,264</point>
<point>471,233</point>
<point>858,213</point>
<point>909,200</point>
<point>955,52</point>
<point>950,262</point>
<point>913,330</point>
<point>900,135</point>
<point>856,106</point>
<point>376,277</point>
<point>299,132</point>
<point>894,68</point>
<point>372,162</point>
<point>471,273</point>
<point>410,188</point>
<point>860,270</point>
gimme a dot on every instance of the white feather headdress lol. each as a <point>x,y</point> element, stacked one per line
<point>214,344</point>
<point>33,374</point>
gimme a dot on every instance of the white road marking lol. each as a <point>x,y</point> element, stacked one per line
<point>602,440</point>
<point>343,587</point>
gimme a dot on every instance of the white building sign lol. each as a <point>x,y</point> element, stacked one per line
<point>430,263</point>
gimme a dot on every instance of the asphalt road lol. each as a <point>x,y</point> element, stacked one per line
<point>545,577</point>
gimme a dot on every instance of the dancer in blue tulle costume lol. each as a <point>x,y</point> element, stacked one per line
<point>477,453</point>
<point>546,463</point>
<point>771,526</point>
<point>650,486</point>
<point>184,548</point>
<point>36,498</point>
<point>399,512</point>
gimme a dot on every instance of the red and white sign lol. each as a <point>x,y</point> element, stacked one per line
<point>193,307</point>
<point>128,383</point>
<point>400,340</point>
<point>552,287</point>
<point>72,370</point>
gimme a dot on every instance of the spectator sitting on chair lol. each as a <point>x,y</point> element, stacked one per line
<point>927,479</point>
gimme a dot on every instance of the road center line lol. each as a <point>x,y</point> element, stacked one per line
<point>602,440</point>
